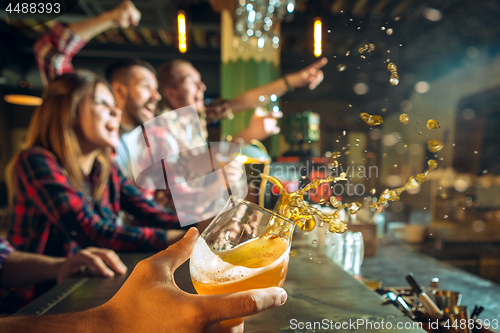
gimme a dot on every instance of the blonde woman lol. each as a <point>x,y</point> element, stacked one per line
<point>65,189</point>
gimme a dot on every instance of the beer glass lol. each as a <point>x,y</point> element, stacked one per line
<point>244,247</point>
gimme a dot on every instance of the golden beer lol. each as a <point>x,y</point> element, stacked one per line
<point>258,263</point>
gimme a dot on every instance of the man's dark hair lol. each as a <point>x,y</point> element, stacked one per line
<point>118,70</point>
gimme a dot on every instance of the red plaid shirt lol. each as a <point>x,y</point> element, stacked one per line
<point>51,217</point>
<point>55,50</point>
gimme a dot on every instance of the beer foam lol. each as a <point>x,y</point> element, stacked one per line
<point>207,268</point>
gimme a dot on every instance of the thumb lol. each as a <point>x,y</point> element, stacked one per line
<point>177,253</point>
<point>245,303</point>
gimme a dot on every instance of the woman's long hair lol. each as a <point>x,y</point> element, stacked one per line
<point>53,128</point>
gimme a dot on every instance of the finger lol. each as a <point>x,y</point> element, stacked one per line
<point>259,112</point>
<point>318,64</point>
<point>227,306</point>
<point>94,262</point>
<point>317,80</point>
<point>177,253</point>
<point>231,326</point>
<point>135,17</point>
<point>111,259</point>
<point>277,114</point>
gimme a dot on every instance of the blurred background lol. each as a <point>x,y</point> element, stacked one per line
<point>447,55</point>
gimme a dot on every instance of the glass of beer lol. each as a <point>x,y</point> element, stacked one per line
<point>244,247</point>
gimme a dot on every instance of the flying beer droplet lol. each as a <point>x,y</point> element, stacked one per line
<point>372,120</point>
<point>432,164</point>
<point>404,118</point>
<point>334,164</point>
<point>432,124</point>
<point>341,67</point>
<point>371,47</point>
<point>373,191</point>
<point>362,57</point>
<point>361,50</point>
<point>415,181</point>
<point>334,201</point>
<point>293,253</point>
<point>434,146</point>
<point>347,53</point>
<point>384,110</point>
<point>392,67</point>
<point>394,80</point>
<point>444,196</point>
<point>439,188</point>
<point>384,155</point>
<point>321,200</point>
<point>354,207</point>
<point>314,241</point>
<point>389,31</point>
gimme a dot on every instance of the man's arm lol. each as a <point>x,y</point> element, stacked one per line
<point>310,76</point>
<point>150,301</point>
<point>55,50</point>
<point>122,16</point>
<point>261,126</point>
<point>22,268</point>
<point>81,322</point>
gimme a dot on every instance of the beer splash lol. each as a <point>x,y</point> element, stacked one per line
<point>367,48</point>
<point>341,67</point>
<point>432,124</point>
<point>413,182</point>
<point>294,207</point>
<point>434,146</point>
<point>404,118</point>
<point>394,80</point>
<point>372,120</point>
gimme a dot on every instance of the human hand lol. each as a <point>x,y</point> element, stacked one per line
<point>151,301</point>
<point>262,125</point>
<point>310,76</point>
<point>125,15</point>
<point>95,259</point>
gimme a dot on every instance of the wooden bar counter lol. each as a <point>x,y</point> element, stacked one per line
<point>318,291</point>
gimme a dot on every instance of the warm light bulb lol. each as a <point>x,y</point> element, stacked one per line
<point>181,28</point>
<point>317,37</point>
<point>23,100</point>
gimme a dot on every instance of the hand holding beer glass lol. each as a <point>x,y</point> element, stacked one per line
<point>244,247</point>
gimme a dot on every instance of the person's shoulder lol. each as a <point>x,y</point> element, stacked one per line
<point>37,152</point>
<point>36,157</point>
